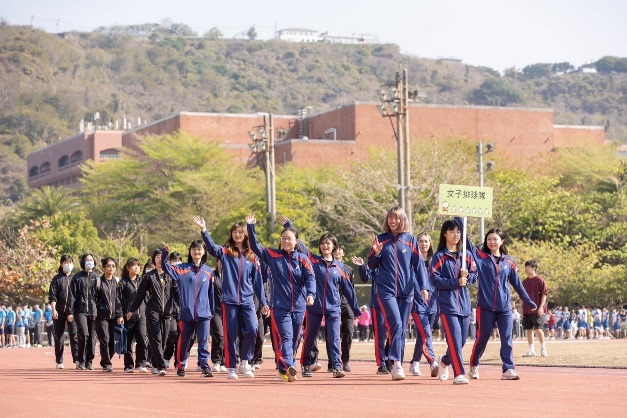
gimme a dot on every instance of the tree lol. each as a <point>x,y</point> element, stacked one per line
<point>155,188</point>
<point>252,33</point>
<point>214,33</point>
<point>537,70</point>
<point>45,202</point>
<point>495,92</point>
<point>26,266</point>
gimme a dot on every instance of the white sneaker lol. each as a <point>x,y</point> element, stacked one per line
<point>530,353</point>
<point>39,345</point>
<point>510,374</point>
<point>246,371</point>
<point>460,380</point>
<point>256,366</point>
<point>474,372</point>
<point>434,369</point>
<point>142,369</point>
<point>154,370</point>
<point>60,366</point>
<point>398,373</point>
<point>232,374</point>
<point>543,353</point>
<point>315,367</point>
<point>215,368</point>
<point>443,370</point>
<point>414,369</point>
<point>27,345</point>
<point>223,369</point>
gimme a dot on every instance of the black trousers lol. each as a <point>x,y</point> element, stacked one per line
<point>50,332</point>
<point>347,329</point>
<point>170,333</point>
<point>135,332</point>
<point>217,340</point>
<point>105,330</point>
<point>86,338</point>
<point>261,338</point>
<point>154,327</point>
<point>59,331</point>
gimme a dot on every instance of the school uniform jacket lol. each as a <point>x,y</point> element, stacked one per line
<point>241,276</point>
<point>292,277</point>
<point>127,290</point>
<point>426,307</point>
<point>453,299</point>
<point>61,292</point>
<point>398,265</point>
<point>196,292</point>
<point>160,293</point>
<point>82,294</point>
<point>494,279</point>
<point>331,279</point>
<point>366,274</point>
<point>105,297</point>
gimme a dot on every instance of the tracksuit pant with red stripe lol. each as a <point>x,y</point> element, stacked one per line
<point>485,323</point>
<point>286,328</point>
<point>424,344</point>
<point>312,327</point>
<point>395,311</point>
<point>456,329</point>
<point>381,343</point>
<point>232,316</point>
<point>187,328</point>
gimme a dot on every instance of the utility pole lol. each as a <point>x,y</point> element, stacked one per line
<point>400,146</point>
<point>263,141</point>
<point>405,136</point>
<point>480,151</point>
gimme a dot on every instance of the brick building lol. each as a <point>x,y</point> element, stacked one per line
<point>336,137</point>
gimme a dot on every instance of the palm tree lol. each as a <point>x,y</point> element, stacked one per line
<point>46,202</point>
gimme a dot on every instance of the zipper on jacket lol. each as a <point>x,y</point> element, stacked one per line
<point>289,267</point>
<point>324,292</point>
<point>196,296</point>
<point>395,268</point>
<point>496,282</point>
<point>239,279</point>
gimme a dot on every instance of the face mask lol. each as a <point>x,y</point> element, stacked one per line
<point>89,265</point>
<point>176,263</point>
<point>67,268</point>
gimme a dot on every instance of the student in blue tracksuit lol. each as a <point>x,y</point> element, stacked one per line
<point>331,279</point>
<point>450,281</point>
<point>10,327</point>
<point>381,342</point>
<point>423,313</point>
<point>195,283</point>
<point>292,286</point>
<point>3,315</point>
<point>397,260</point>
<point>496,271</point>
<point>241,280</point>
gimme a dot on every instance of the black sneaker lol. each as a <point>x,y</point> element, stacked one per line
<point>108,368</point>
<point>128,370</point>
<point>207,372</point>
<point>306,372</point>
<point>89,366</point>
<point>338,373</point>
<point>346,368</point>
<point>389,365</point>
<point>382,370</point>
<point>80,366</point>
<point>180,372</point>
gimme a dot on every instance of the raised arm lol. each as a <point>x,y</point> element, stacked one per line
<point>257,248</point>
<point>213,249</point>
<point>165,264</point>
<point>375,253</point>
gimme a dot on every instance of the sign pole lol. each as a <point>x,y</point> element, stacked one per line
<point>464,242</point>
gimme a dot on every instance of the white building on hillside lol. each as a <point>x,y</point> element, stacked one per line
<point>298,35</point>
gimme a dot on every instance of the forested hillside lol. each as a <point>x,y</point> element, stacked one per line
<point>48,83</point>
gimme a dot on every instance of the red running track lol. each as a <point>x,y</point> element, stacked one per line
<point>31,386</point>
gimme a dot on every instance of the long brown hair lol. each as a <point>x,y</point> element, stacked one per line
<point>232,247</point>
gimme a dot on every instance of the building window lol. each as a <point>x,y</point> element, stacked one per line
<point>109,154</point>
<point>77,157</point>
<point>45,168</point>
<point>64,161</point>
<point>33,172</point>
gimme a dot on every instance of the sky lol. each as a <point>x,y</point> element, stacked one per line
<point>498,34</point>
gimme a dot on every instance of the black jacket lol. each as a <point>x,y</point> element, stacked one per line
<point>82,287</point>
<point>345,307</point>
<point>163,294</point>
<point>61,292</point>
<point>105,296</point>
<point>127,289</point>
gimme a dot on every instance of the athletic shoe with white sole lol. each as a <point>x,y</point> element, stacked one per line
<point>315,367</point>
<point>443,370</point>
<point>460,380</point>
<point>434,369</point>
<point>282,376</point>
<point>60,366</point>
<point>167,364</point>
<point>222,369</point>
<point>154,370</point>
<point>233,374</point>
<point>142,369</point>
<point>529,353</point>
<point>414,369</point>
<point>128,370</point>
<point>162,372</point>
<point>398,373</point>
<point>382,369</point>
<point>215,368</point>
<point>543,353</point>
<point>474,372</point>
<point>291,374</point>
<point>510,374</point>
<point>338,373</point>
<point>246,371</point>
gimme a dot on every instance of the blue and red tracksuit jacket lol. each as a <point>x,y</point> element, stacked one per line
<point>399,266</point>
<point>196,293</point>
<point>426,307</point>
<point>366,274</point>
<point>330,279</point>
<point>241,276</point>
<point>453,299</point>
<point>291,275</point>
<point>494,279</point>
